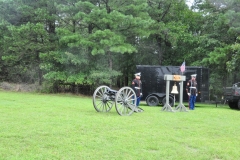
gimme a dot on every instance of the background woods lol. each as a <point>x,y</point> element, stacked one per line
<point>77,45</point>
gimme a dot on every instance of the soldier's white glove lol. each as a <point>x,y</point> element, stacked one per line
<point>141,94</point>
<point>196,94</point>
<point>188,94</point>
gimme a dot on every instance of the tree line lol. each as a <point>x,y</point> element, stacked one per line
<point>85,43</point>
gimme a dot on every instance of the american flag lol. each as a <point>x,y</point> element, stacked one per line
<point>182,68</point>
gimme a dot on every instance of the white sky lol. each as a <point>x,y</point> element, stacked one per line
<point>189,2</point>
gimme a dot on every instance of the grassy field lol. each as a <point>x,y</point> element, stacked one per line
<point>61,126</point>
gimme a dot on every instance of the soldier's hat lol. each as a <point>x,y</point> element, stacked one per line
<point>194,75</point>
<point>138,74</point>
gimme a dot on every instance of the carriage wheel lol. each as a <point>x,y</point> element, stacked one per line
<point>101,100</point>
<point>125,101</point>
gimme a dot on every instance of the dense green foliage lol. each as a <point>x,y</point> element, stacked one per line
<point>92,42</point>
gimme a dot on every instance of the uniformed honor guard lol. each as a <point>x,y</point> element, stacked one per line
<point>137,87</point>
<point>192,91</point>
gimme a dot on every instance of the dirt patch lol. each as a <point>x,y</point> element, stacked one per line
<point>19,87</point>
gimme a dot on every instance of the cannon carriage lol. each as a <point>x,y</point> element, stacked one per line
<point>104,98</point>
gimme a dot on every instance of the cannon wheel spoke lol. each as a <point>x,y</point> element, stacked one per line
<point>101,100</point>
<point>125,101</point>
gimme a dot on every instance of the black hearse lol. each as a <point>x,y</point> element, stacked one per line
<point>154,85</point>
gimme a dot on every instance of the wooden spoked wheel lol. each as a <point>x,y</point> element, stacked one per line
<point>125,101</point>
<point>102,101</point>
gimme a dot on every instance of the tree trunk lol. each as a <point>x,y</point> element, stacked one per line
<point>160,51</point>
<point>110,62</point>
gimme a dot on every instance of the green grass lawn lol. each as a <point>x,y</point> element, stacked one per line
<point>62,126</point>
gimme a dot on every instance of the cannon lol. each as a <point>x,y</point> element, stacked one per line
<point>125,100</point>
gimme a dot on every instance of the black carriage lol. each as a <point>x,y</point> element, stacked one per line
<point>154,85</point>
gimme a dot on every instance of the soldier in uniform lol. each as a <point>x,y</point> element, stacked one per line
<point>137,87</point>
<point>192,91</point>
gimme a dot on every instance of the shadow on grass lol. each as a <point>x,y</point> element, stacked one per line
<point>197,105</point>
<point>214,106</point>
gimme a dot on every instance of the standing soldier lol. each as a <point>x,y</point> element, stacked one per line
<point>192,91</point>
<point>137,87</point>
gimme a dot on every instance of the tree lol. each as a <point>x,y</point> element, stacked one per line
<point>96,32</point>
<point>220,33</point>
<point>30,31</point>
<point>21,52</point>
<point>168,30</point>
